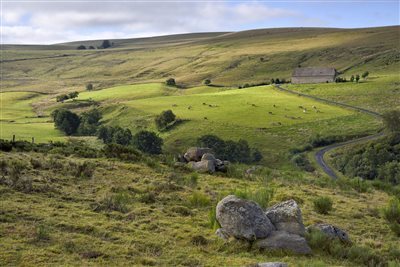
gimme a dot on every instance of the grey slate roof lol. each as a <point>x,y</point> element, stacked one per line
<point>313,72</point>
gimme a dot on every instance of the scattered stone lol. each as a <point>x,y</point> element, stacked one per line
<point>243,219</point>
<point>331,231</point>
<point>272,264</point>
<point>195,153</point>
<point>285,241</point>
<point>286,216</point>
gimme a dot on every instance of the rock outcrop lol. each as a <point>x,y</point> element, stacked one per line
<point>243,219</point>
<point>286,216</point>
<point>284,241</point>
<point>201,159</point>
<point>331,231</point>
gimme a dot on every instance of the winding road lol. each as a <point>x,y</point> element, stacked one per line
<point>319,155</point>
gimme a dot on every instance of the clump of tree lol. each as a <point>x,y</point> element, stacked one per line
<point>340,80</point>
<point>89,87</point>
<point>89,122</point>
<point>170,82</point>
<point>62,98</point>
<point>81,47</point>
<point>239,151</point>
<point>148,142</point>
<point>116,135</point>
<point>66,121</point>
<point>164,119</point>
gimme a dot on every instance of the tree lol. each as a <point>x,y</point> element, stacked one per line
<point>66,121</point>
<point>122,136</point>
<point>165,118</point>
<point>357,78</point>
<point>365,75</point>
<point>352,78</point>
<point>105,44</point>
<point>73,95</point>
<point>277,81</point>
<point>61,98</point>
<point>90,120</point>
<point>207,82</point>
<point>89,87</point>
<point>148,142</point>
<point>391,119</point>
<point>272,81</point>
<point>170,82</point>
<point>91,47</point>
<point>81,47</point>
<point>106,133</point>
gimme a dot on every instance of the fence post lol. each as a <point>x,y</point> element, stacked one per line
<point>33,140</point>
<point>13,138</point>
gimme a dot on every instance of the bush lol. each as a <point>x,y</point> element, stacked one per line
<point>323,205</point>
<point>301,161</point>
<point>198,199</point>
<point>148,142</point>
<point>170,82</point>
<point>392,215</point>
<point>89,87</point>
<point>82,170</point>
<point>81,47</point>
<point>207,82</point>
<point>42,233</point>
<point>122,152</point>
<point>164,119</point>
<point>115,135</point>
<point>5,145</point>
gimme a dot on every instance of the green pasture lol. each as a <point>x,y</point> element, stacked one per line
<point>17,117</point>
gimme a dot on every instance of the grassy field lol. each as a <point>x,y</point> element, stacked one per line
<point>57,223</point>
<point>19,118</point>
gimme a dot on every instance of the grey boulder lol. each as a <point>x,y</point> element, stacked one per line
<point>243,219</point>
<point>272,264</point>
<point>196,153</point>
<point>284,241</point>
<point>286,216</point>
<point>208,156</point>
<point>203,166</point>
<point>331,231</point>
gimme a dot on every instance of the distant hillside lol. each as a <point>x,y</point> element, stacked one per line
<point>226,58</point>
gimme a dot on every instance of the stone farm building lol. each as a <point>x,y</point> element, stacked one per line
<point>314,75</point>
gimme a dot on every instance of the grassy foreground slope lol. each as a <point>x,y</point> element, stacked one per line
<point>132,214</point>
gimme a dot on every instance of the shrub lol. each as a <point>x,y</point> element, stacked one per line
<point>89,87</point>
<point>148,198</point>
<point>166,117</point>
<point>82,170</point>
<point>301,161</point>
<point>81,47</point>
<point>5,145</point>
<point>198,199</point>
<point>115,135</point>
<point>122,152</point>
<point>323,205</point>
<point>207,82</point>
<point>148,142</point>
<point>391,119</point>
<point>392,215</point>
<point>170,82</point>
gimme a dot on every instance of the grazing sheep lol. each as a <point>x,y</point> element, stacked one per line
<point>174,105</point>
<point>205,118</point>
<point>304,111</point>
<point>301,107</point>
<point>204,104</point>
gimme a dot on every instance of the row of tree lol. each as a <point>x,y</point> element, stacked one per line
<point>105,44</point>
<point>353,78</point>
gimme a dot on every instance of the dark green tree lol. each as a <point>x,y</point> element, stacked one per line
<point>122,136</point>
<point>105,133</point>
<point>66,121</point>
<point>89,87</point>
<point>357,78</point>
<point>352,78</point>
<point>148,142</point>
<point>391,119</point>
<point>207,82</point>
<point>165,118</point>
<point>105,44</point>
<point>170,82</point>
<point>90,121</point>
<point>81,47</point>
<point>365,74</point>
<point>73,95</point>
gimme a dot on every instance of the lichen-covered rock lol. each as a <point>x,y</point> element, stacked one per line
<point>204,166</point>
<point>286,216</point>
<point>331,231</point>
<point>195,153</point>
<point>243,219</point>
<point>222,233</point>
<point>285,241</point>
<point>272,264</point>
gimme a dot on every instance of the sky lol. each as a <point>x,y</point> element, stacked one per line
<point>48,22</point>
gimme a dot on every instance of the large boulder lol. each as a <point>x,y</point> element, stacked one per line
<point>243,219</point>
<point>203,166</point>
<point>208,156</point>
<point>272,264</point>
<point>331,231</point>
<point>195,153</point>
<point>284,241</point>
<point>286,216</point>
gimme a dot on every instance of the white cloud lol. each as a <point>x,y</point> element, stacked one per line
<point>62,21</point>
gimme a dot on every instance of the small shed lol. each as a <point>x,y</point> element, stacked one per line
<point>314,75</point>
